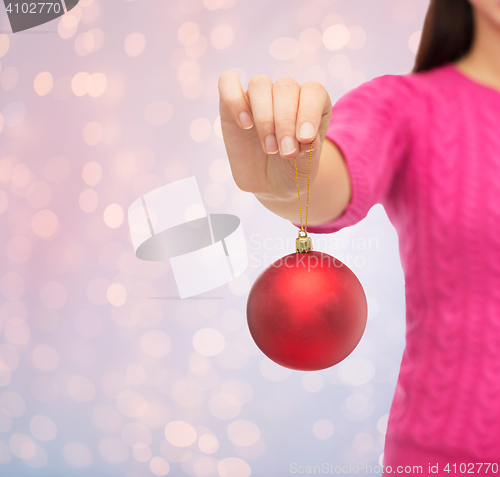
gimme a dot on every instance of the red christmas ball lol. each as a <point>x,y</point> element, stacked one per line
<point>307,311</point>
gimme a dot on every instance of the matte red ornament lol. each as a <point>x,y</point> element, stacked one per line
<point>307,311</point>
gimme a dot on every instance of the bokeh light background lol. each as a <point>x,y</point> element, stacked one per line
<point>100,372</point>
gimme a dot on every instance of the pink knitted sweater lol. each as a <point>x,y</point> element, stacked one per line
<point>427,147</point>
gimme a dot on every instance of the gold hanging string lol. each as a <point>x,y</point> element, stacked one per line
<point>298,191</point>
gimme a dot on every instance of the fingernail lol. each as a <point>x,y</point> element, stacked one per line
<point>271,144</point>
<point>306,131</point>
<point>288,145</point>
<point>245,120</point>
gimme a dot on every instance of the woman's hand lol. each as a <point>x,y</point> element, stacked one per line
<point>265,127</point>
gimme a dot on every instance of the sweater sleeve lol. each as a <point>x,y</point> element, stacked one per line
<point>370,127</point>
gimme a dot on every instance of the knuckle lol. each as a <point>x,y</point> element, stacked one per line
<point>259,79</point>
<point>286,83</point>
<point>286,124</point>
<point>314,85</point>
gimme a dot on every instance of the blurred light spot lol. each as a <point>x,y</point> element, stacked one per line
<point>135,44</point>
<point>77,455</point>
<point>18,249</point>
<point>382,424</point>
<point>14,113</point>
<point>405,11</point>
<point>43,428</point>
<point>284,48</point>
<point>80,83</point>
<point>113,450</point>
<point>45,358</point>
<point>92,173</point>
<point>310,39</point>
<point>240,285</point>
<point>9,78</point>
<point>155,343</point>
<point>187,68</point>
<point>197,49</point>
<point>313,382</point>
<point>88,200</point>
<point>131,404</point>
<point>12,404</point>
<point>92,133</point>
<point>323,429</point>
<point>159,466</point>
<point>192,87</point>
<point>205,466</point>
<point>414,41</point>
<point>40,195</point>
<point>9,356</point>
<point>233,356</point>
<point>141,452</point>
<point>224,406</point>
<point>113,216</point>
<point>56,169</point>
<point>22,446</point>
<point>214,195</point>
<point>133,433</point>
<point>357,38</point>
<point>88,324</point>
<point>200,129</point>
<point>89,42</point>
<point>220,171</point>
<point>188,33</point>
<point>239,388</point>
<point>97,84</point>
<point>53,295</point>
<point>330,20</point>
<point>17,331</point>
<point>12,285</point>
<point>208,342</point>
<point>316,73</point>
<point>353,79</point>
<point>106,419</point>
<point>4,45</point>
<point>80,389</point>
<point>363,442</point>
<point>135,374</point>
<point>209,309</point>
<point>356,371</point>
<point>180,433</point>
<point>4,453</point>
<point>233,466</point>
<point>158,112</point>
<point>127,263</point>
<point>3,201</point>
<point>208,443</point>
<point>68,25</point>
<point>272,371</point>
<point>243,433</point>
<point>97,291</point>
<point>146,183</point>
<point>213,4</point>
<point>117,295</point>
<point>339,66</point>
<point>222,36</point>
<point>336,37</point>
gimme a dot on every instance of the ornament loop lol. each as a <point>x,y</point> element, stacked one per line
<point>303,243</point>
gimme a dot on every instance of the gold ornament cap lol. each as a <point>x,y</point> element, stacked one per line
<point>303,243</point>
